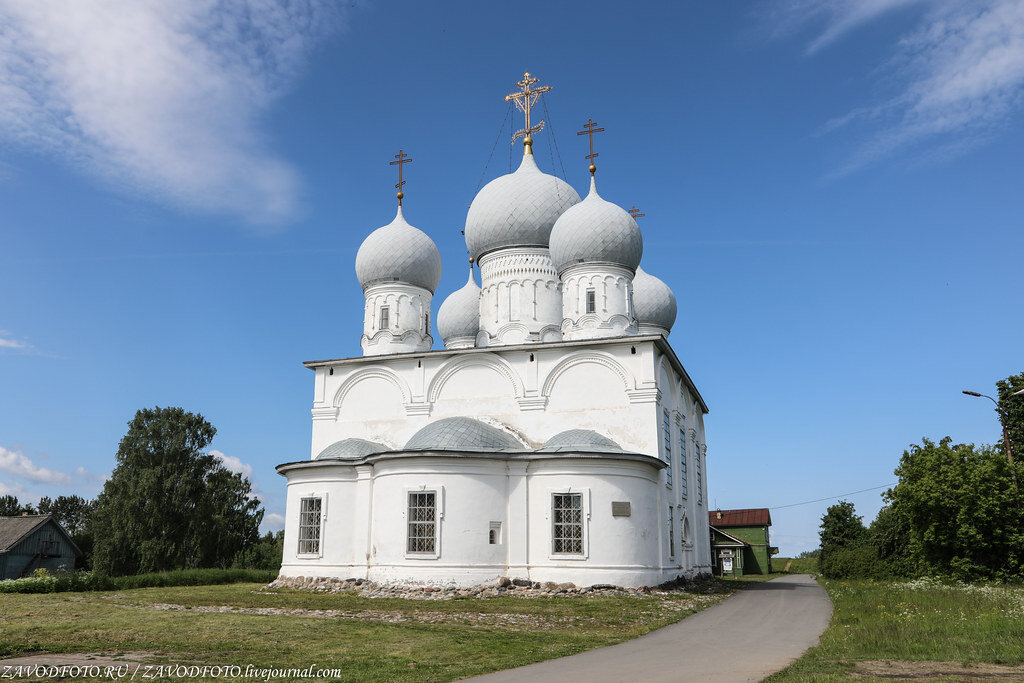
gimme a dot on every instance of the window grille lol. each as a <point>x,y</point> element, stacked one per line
<point>422,522</point>
<point>697,472</point>
<point>494,533</point>
<point>309,526</point>
<point>385,317</point>
<point>567,518</point>
<point>667,428</point>
<point>591,301</point>
<point>671,533</point>
<point>682,463</point>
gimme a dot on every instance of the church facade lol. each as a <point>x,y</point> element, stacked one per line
<point>556,437</point>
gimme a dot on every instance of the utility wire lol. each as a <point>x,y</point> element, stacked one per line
<point>551,130</point>
<point>818,500</point>
<point>493,147</point>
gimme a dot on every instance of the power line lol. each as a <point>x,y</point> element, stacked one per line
<point>818,500</point>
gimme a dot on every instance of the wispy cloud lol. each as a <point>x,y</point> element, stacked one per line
<point>957,76</point>
<point>17,464</point>
<point>9,342</point>
<point>161,98</point>
<point>233,464</point>
<point>272,522</point>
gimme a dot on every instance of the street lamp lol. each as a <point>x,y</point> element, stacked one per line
<point>1002,423</point>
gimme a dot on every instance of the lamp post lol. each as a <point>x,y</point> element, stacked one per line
<point>1002,423</point>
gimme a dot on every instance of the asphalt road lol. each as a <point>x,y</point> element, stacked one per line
<point>746,637</point>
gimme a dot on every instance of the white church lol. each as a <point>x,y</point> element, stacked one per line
<point>555,437</point>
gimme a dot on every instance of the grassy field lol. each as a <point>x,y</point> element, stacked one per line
<point>918,629</point>
<point>796,565</point>
<point>369,639</point>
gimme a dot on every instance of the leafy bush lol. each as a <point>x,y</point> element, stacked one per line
<point>62,582</point>
<point>861,562</point>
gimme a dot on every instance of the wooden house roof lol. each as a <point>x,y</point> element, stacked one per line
<point>744,517</point>
<point>13,529</point>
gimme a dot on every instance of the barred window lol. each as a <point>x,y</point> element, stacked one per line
<point>682,464</point>
<point>668,447</point>
<point>591,301</point>
<point>567,516</point>
<point>385,317</point>
<point>309,526</point>
<point>422,522</point>
<point>671,533</point>
<point>696,472</point>
<point>426,323</point>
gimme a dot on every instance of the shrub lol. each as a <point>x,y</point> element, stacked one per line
<point>62,582</point>
<point>861,562</point>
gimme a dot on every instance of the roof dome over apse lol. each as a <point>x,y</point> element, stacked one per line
<point>462,434</point>
<point>654,304</point>
<point>517,210</point>
<point>596,231</point>
<point>398,252</point>
<point>580,440</point>
<point>458,319</point>
<point>351,448</point>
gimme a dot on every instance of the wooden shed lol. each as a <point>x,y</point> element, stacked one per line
<point>739,541</point>
<point>31,542</point>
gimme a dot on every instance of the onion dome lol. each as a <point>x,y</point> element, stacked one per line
<point>654,304</point>
<point>398,252</point>
<point>351,448</point>
<point>584,440</point>
<point>458,319</point>
<point>596,231</point>
<point>517,210</point>
<point>461,434</point>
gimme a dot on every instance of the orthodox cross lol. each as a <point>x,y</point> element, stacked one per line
<point>524,101</point>
<point>401,159</point>
<point>635,212</point>
<point>590,130</point>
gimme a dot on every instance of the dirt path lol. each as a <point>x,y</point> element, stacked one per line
<point>755,632</point>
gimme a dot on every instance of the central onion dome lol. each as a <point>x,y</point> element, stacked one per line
<point>398,252</point>
<point>458,319</point>
<point>517,210</point>
<point>654,304</point>
<point>596,231</point>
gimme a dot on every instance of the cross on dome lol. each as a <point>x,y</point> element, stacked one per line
<point>401,159</point>
<point>524,101</point>
<point>635,212</point>
<point>589,131</point>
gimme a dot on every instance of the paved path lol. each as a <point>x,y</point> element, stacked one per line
<point>753,633</point>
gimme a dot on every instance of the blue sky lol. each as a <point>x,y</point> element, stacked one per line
<point>832,189</point>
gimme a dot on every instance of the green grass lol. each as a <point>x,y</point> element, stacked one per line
<point>370,639</point>
<point>797,565</point>
<point>88,581</point>
<point>920,620</point>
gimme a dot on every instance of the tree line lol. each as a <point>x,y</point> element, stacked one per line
<point>168,505</point>
<point>957,511</point>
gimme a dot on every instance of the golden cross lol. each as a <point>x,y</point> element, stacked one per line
<point>635,212</point>
<point>524,101</point>
<point>590,130</point>
<point>402,158</point>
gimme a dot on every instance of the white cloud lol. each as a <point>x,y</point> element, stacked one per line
<point>234,464</point>
<point>20,465</point>
<point>8,341</point>
<point>160,98</point>
<point>272,522</point>
<point>13,489</point>
<point>956,78</point>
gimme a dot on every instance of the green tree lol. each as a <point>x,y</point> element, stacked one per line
<point>265,554</point>
<point>169,504</point>
<point>965,518</point>
<point>74,513</point>
<point>10,507</point>
<point>1013,408</point>
<point>841,529</point>
<point>889,534</point>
